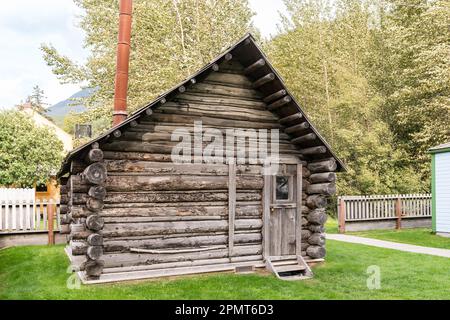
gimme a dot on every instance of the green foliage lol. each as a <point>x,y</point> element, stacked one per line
<point>170,40</point>
<point>413,76</point>
<point>332,55</point>
<point>28,154</point>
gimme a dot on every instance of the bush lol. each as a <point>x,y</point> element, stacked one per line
<point>28,154</point>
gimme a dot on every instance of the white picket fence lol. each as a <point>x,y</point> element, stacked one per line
<point>21,212</point>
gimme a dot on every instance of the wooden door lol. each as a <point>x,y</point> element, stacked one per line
<point>282,212</point>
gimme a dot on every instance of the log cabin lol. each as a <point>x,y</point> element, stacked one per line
<point>132,212</point>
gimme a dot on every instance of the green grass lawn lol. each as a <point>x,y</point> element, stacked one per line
<point>40,273</point>
<point>331,226</point>
<point>419,236</point>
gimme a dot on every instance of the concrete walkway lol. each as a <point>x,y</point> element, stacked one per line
<point>390,245</point>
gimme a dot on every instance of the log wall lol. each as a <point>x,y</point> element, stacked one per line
<point>148,210</point>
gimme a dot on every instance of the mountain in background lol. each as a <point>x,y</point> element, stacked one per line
<point>58,111</point>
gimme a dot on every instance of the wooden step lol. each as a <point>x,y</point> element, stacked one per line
<point>284,266</point>
<point>290,268</point>
<point>283,263</point>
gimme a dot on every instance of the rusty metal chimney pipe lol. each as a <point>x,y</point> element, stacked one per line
<point>123,57</point>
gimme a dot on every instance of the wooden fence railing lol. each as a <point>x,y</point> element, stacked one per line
<point>382,207</point>
<point>27,216</point>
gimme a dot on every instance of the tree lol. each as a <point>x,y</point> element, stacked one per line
<point>37,100</point>
<point>170,40</point>
<point>413,76</point>
<point>28,154</point>
<point>325,53</point>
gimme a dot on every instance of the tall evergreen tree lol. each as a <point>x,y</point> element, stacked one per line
<point>414,75</point>
<point>324,52</point>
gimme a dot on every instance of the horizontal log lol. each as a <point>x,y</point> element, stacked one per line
<point>206,262</point>
<point>316,228</point>
<point>64,199</point>
<point>317,216</point>
<point>162,228</point>
<point>297,128</point>
<point>94,205</point>
<point>322,188</point>
<point>168,147</point>
<point>94,174</point>
<point>291,118</point>
<point>181,119</point>
<point>79,210</point>
<point>192,97</point>
<point>226,91</point>
<point>157,168</point>
<point>279,103</point>
<point>77,166</point>
<point>164,134</point>
<point>94,222</point>
<point>171,183</point>
<point>316,201</point>
<point>97,192</point>
<point>95,239</point>
<point>114,155</point>
<point>317,239</point>
<point>94,268</point>
<point>216,111</point>
<point>313,150</point>
<point>78,247</point>
<point>263,80</point>
<point>182,211</point>
<point>152,198</point>
<point>305,138</point>
<point>64,229</point>
<point>63,189</point>
<point>255,66</point>
<point>94,252</point>
<point>305,234</point>
<point>94,155</point>
<point>322,177</point>
<point>229,79</point>
<point>174,251</point>
<point>136,259</point>
<point>328,165</point>
<point>305,172</point>
<point>316,252</point>
<point>275,96</point>
<point>111,245</point>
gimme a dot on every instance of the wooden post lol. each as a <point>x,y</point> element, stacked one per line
<point>298,218</point>
<point>266,213</point>
<point>342,215</point>
<point>50,215</point>
<point>398,212</point>
<point>231,203</point>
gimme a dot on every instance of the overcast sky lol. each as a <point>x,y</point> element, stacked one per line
<point>25,24</point>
